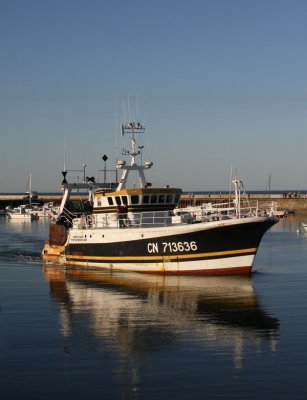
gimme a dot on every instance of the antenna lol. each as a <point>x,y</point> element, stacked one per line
<point>230,182</point>
<point>137,107</point>
<point>65,140</point>
<point>116,142</point>
<point>129,116</point>
<point>268,185</point>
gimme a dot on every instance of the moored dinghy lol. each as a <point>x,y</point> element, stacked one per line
<point>131,229</point>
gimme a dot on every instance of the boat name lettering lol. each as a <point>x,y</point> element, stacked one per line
<point>78,239</point>
<point>172,247</point>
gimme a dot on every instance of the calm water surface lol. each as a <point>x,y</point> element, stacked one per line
<point>71,334</point>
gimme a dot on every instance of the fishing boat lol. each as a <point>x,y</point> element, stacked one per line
<point>131,228</point>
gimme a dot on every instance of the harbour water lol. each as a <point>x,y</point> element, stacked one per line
<point>71,334</point>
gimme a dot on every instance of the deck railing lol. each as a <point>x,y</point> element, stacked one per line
<point>164,218</point>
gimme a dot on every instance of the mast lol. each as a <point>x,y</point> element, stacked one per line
<point>268,185</point>
<point>237,201</point>
<point>132,128</point>
<point>30,188</point>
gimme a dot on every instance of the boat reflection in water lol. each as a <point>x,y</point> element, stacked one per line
<point>136,313</point>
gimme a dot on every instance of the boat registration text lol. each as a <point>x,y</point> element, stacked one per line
<point>171,247</point>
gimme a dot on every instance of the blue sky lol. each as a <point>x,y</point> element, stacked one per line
<point>219,84</point>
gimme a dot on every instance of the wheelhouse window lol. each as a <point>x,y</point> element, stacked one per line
<point>124,200</point>
<point>99,202</point>
<point>169,198</point>
<point>161,198</point>
<point>134,199</point>
<point>146,199</point>
<point>110,201</point>
<point>177,197</point>
<point>153,199</point>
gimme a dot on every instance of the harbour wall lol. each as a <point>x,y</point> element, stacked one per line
<point>295,202</point>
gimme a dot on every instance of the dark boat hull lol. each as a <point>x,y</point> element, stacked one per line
<point>223,247</point>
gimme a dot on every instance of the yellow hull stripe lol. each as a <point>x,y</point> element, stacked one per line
<point>168,257</point>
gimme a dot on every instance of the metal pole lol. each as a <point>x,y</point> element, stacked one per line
<point>84,165</point>
<point>105,157</point>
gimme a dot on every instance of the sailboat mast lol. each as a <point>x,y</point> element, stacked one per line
<point>268,185</point>
<point>30,188</point>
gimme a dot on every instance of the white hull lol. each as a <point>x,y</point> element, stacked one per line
<point>241,264</point>
<point>20,217</point>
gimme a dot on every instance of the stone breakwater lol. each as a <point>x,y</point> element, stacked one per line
<point>296,202</point>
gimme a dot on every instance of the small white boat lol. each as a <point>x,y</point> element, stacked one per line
<point>304,227</point>
<point>25,211</point>
<point>32,211</point>
<point>47,210</point>
<point>20,212</point>
<point>276,212</point>
<point>281,213</point>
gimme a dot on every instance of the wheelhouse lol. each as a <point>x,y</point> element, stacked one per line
<point>137,200</point>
